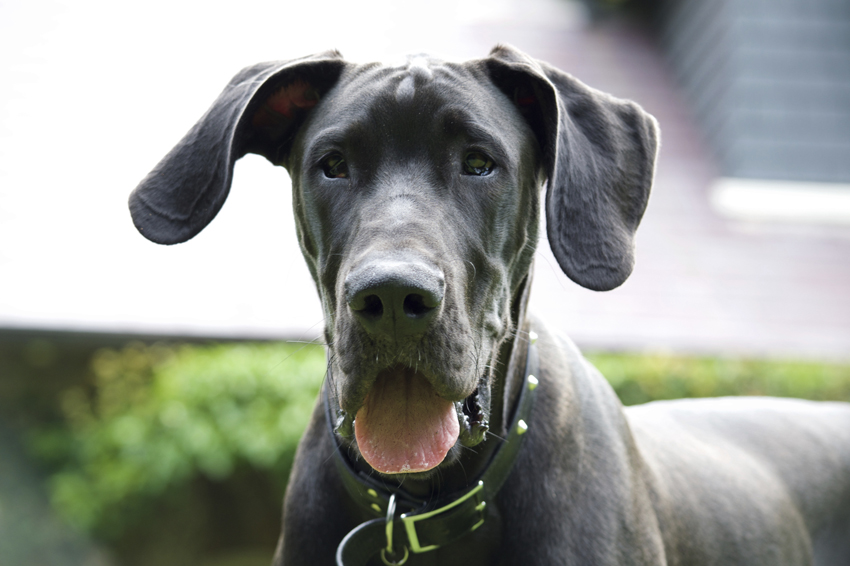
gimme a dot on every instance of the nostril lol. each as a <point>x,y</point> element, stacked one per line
<point>415,307</point>
<point>394,298</point>
<point>373,307</point>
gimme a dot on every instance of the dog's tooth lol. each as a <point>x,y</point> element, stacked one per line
<point>344,424</point>
<point>474,433</point>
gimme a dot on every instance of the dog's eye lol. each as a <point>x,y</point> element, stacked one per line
<point>477,163</point>
<point>335,167</point>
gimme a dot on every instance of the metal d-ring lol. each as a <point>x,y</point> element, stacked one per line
<point>389,530</point>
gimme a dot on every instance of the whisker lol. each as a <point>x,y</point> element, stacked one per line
<point>303,343</point>
<point>496,436</point>
<point>326,460</point>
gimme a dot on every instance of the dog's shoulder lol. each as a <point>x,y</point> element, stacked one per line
<point>578,400</point>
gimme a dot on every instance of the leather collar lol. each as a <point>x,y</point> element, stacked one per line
<point>404,523</point>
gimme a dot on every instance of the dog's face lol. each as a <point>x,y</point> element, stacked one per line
<point>420,181</point>
<point>416,192</point>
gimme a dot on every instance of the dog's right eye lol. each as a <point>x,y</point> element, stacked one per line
<point>335,167</point>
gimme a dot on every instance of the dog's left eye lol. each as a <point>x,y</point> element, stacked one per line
<point>477,163</point>
<point>335,167</point>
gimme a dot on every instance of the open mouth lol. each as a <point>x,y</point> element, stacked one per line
<point>405,426</point>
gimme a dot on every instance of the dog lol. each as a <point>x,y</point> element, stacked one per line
<point>445,433</point>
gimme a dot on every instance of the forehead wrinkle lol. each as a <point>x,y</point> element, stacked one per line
<point>458,122</point>
<point>334,137</point>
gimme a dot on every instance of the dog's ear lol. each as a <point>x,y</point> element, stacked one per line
<point>599,154</point>
<point>259,111</point>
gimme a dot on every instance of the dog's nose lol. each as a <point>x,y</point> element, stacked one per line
<point>393,297</point>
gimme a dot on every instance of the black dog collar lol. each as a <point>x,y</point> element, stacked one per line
<point>405,524</point>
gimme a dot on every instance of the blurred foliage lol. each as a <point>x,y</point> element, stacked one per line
<point>651,377</point>
<point>156,416</point>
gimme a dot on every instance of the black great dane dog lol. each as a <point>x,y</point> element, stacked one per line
<point>444,435</point>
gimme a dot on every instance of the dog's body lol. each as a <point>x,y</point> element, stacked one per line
<point>417,201</point>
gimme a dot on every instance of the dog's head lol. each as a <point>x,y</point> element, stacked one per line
<point>417,196</point>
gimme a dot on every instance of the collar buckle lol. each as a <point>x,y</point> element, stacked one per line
<point>463,514</point>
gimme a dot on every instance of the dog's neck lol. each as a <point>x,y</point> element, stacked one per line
<point>511,363</point>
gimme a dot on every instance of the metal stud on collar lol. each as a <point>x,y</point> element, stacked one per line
<point>521,427</point>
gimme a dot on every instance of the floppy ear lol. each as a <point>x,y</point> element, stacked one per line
<point>599,154</point>
<point>259,111</point>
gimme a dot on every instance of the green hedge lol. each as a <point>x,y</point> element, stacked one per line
<point>644,378</point>
<point>158,416</point>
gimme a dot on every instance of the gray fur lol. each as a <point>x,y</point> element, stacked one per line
<point>726,482</point>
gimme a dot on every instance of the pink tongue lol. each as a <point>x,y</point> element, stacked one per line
<point>404,426</point>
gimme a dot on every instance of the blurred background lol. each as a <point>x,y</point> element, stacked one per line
<point>151,397</point>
